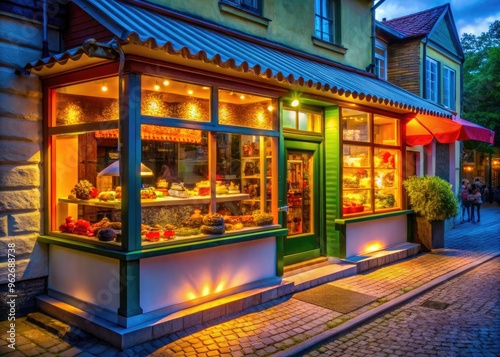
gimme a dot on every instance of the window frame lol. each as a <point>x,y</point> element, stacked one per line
<point>449,87</point>
<point>381,59</point>
<point>244,6</point>
<point>431,79</point>
<point>374,150</point>
<point>333,18</point>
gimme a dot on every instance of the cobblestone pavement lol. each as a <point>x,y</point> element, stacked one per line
<point>468,326</point>
<point>288,326</point>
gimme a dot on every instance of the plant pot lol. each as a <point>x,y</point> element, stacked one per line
<point>429,234</point>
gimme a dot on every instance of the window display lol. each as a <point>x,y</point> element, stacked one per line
<point>371,171</point>
<point>194,183</point>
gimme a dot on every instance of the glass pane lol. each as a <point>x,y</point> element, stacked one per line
<point>386,179</point>
<point>166,98</point>
<point>290,119</point>
<point>300,194</point>
<point>356,179</point>
<point>385,130</point>
<point>74,104</point>
<point>355,125</point>
<point>247,110</point>
<point>256,173</point>
<point>244,193</point>
<point>85,202</point>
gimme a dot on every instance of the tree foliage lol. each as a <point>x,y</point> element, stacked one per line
<point>481,77</point>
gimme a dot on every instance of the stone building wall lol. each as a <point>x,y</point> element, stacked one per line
<point>21,161</point>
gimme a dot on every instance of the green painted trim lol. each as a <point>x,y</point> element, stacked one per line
<point>339,222</point>
<point>410,226</point>
<point>130,288</point>
<point>280,255</point>
<point>130,160</point>
<point>342,248</point>
<point>301,257</point>
<point>161,250</point>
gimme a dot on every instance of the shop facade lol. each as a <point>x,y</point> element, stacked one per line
<point>180,169</point>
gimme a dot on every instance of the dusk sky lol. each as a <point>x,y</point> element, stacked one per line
<point>471,16</point>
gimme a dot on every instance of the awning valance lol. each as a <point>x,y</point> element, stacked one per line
<point>145,24</point>
<point>422,129</point>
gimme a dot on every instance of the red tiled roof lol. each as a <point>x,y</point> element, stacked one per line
<point>418,24</point>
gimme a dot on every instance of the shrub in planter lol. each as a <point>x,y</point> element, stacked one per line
<point>431,197</point>
<point>433,201</point>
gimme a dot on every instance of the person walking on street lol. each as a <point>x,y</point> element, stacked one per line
<point>476,204</point>
<point>466,204</point>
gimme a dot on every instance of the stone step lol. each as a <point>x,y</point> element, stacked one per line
<point>368,261</point>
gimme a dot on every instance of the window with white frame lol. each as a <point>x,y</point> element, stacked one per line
<point>381,59</point>
<point>449,87</point>
<point>324,20</point>
<point>431,79</point>
<point>253,6</point>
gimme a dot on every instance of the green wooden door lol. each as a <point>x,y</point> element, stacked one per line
<point>303,194</point>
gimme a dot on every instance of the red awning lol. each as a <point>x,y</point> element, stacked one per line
<point>422,129</point>
<point>472,131</point>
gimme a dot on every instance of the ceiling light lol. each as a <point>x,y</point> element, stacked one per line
<point>104,87</point>
<point>295,102</point>
<point>190,92</point>
<point>114,170</point>
<point>157,86</point>
<point>242,96</point>
<point>166,82</point>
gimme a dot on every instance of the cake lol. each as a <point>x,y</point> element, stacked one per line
<point>178,190</point>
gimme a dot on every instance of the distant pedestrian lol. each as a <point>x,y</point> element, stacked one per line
<point>476,204</point>
<point>466,204</point>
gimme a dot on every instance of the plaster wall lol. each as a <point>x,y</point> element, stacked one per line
<point>292,24</point>
<point>87,278</point>
<point>188,276</point>
<point>366,236</point>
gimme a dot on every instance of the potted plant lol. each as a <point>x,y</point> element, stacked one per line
<point>433,201</point>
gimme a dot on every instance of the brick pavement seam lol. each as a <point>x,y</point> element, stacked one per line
<point>358,320</point>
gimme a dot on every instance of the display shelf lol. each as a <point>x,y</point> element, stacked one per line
<point>160,201</point>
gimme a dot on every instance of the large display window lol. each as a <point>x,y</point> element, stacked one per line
<point>195,183</point>
<point>371,163</point>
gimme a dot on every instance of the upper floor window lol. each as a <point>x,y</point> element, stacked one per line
<point>449,87</point>
<point>253,6</point>
<point>381,60</point>
<point>431,80</point>
<point>324,20</point>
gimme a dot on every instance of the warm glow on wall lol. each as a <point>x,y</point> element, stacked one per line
<point>206,290</point>
<point>373,247</point>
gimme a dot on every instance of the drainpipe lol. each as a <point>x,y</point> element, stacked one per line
<point>374,35</point>
<point>45,43</point>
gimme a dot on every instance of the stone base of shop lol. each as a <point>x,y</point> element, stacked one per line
<point>303,279</point>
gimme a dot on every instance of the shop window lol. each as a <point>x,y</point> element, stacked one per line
<point>187,175</point>
<point>87,102</point>
<point>371,167</point>
<point>246,110</point>
<point>302,120</point>
<point>166,98</point>
<point>431,80</point>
